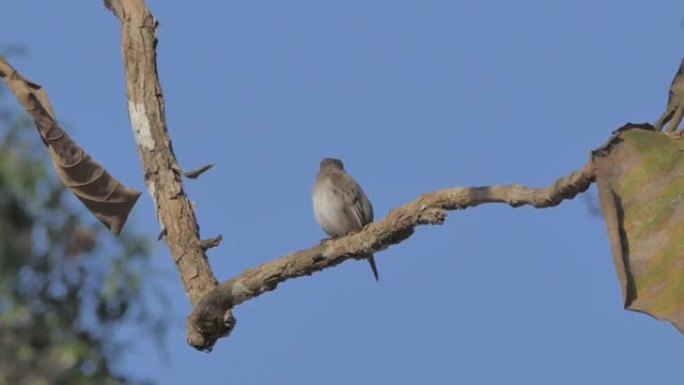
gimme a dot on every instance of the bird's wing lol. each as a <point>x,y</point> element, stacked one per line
<point>356,204</point>
<point>366,207</point>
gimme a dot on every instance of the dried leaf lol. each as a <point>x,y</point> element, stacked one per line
<point>106,198</point>
<point>640,176</point>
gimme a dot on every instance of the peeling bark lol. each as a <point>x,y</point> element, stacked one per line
<point>160,168</point>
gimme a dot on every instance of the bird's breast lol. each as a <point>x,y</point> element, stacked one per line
<point>329,209</point>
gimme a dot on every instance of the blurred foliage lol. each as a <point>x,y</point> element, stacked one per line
<point>71,294</point>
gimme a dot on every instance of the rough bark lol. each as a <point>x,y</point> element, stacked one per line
<point>211,317</point>
<point>208,320</point>
<point>160,168</point>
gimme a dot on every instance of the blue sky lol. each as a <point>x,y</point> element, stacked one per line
<point>414,96</point>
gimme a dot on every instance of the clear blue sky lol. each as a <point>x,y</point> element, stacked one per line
<point>414,96</point>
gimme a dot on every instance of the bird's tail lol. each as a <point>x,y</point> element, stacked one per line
<point>371,261</point>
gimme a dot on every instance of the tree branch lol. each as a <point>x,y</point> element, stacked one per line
<point>209,319</point>
<point>212,317</point>
<point>146,111</point>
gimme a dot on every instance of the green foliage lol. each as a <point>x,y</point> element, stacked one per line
<point>66,285</point>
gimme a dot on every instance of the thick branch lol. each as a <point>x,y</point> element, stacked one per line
<point>211,317</point>
<point>146,111</point>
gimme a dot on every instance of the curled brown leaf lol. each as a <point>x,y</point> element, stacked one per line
<point>104,196</point>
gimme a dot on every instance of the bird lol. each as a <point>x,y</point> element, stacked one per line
<point>339,204</point>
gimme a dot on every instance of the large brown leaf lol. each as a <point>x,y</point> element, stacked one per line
<point>103,195</point>
<point>640,176</point>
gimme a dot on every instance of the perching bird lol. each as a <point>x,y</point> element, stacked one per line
<point>339,204</point>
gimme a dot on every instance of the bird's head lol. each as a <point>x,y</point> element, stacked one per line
<point>332,163</point>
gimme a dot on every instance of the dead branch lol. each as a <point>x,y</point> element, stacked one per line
<point>674,112</point>
<point>195,173</point>
<point>146,111</point>
<point>211,318</point>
